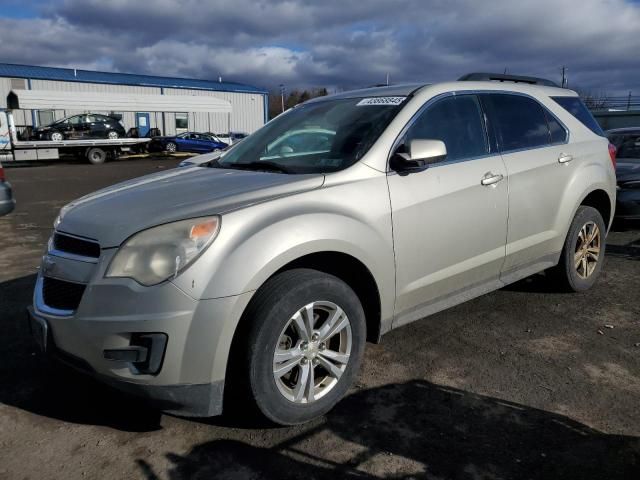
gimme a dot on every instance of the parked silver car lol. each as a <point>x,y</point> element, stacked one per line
<point>267,271</point>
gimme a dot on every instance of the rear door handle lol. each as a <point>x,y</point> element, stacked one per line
<point>491,179</point>
<point>565,158</point>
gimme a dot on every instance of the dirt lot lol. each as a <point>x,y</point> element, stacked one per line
<point>521,383</point>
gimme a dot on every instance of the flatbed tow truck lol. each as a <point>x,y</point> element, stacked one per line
<point>95,150</point>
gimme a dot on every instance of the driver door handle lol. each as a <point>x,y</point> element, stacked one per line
<point>491,179</point>
<point>565,158</point>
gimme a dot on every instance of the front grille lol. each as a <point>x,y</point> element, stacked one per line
<point>75,245</point>
<point>61,295</point>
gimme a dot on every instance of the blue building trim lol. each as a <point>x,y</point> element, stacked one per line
<point>266,107</point>
<point>34,118</point>
<point>88,76</point>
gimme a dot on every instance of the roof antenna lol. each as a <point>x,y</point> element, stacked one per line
<point>219,79</point>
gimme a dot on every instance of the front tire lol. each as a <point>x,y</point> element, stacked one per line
<point>56,136</point>
<point>304,345</point>
<point>583,252</point>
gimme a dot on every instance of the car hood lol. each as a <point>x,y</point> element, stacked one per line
<point>115,213</point>
<point>627,170</point>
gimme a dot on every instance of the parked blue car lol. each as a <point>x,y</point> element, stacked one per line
<point>187,142</point>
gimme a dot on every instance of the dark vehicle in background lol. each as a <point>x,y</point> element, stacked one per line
<point>7,203</point>
<point>86,125</point>
<point>187,142</point>
<point>627,142</point>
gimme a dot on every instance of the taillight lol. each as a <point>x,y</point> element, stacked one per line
<point>612,153</point>
<point>2,179</point>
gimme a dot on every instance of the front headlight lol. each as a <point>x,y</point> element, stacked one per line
<point>160,253</point>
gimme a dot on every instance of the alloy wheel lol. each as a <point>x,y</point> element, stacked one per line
<point>587,252</point>
<point>313,352</point>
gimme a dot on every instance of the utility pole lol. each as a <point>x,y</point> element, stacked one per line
<point>629,101</point>
<point>282,96</point>
<point>387,79</point>
<point>565,80</point>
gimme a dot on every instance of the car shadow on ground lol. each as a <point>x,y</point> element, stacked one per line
<point>421,430</point>
<point>33,384</point>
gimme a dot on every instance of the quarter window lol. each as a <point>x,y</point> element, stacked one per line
<point>457,121</point>
<point>557,131</point>
<point>575,107</point>
<point>520,121</point>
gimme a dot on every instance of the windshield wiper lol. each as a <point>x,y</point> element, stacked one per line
<point>260,165</point>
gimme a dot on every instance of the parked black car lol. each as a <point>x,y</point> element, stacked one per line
<point>7,202</point>
<point>86,125</point>
<point>627,141</point>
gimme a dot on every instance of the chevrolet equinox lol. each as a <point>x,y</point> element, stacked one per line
<point>266,271</point>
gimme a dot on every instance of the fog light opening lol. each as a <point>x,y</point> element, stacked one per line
<point>155,344</point>
<point>145,353</point>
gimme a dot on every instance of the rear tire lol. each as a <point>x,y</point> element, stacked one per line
<point>321,358</point>
<point>96,156</point>
<point>112,135</point>
<point>171,147</point>
<point>583,252</point>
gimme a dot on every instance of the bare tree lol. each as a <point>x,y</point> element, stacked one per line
<point>594,99</point>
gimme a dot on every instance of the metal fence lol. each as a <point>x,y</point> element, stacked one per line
<point>605,102</point>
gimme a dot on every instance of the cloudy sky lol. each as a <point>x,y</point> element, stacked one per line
<point>335,43</point>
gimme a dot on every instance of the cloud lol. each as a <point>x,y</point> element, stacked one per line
<point>335,43</point>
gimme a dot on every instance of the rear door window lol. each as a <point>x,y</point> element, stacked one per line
<point>575,107</point>
<point>520,122</point>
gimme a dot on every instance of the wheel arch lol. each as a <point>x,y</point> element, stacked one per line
<point>600,200</point>
<point>342,265</point>
<point>354,273</point>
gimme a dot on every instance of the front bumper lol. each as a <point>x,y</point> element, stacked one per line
<point>200,400</point>
<point>113,311</point>
<point>7,202</point>
<point>628,204</point>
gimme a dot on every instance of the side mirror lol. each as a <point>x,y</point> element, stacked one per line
<point>421,154</point>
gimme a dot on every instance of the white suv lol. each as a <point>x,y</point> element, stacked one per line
<point>339,220</point>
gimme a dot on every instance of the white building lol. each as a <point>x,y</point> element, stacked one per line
<point>249,105</point>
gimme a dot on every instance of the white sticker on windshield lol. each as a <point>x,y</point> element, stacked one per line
<point>380,101</point>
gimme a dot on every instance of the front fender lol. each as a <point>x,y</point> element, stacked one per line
<point>257,241</point>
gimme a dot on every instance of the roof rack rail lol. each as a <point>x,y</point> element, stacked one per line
<point>503,77</point>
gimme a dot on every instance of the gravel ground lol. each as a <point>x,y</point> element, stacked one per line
<point>521,383</point>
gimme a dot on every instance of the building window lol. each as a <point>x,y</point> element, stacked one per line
<point>17,83</point>
<point>182,122</point>
<point>45,117</point>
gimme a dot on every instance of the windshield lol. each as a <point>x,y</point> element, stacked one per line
<point>319,137</point>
